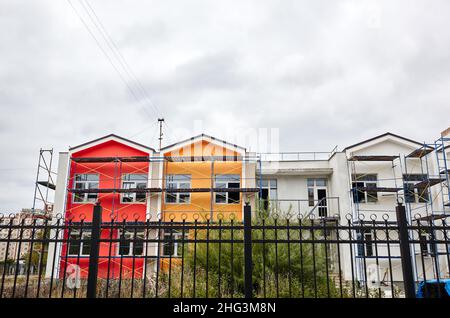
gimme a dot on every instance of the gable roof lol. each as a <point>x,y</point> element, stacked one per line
<point>200,138</point>
<point>112,137</point>
<point>385,135</point>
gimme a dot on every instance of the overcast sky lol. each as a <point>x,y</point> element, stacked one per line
<point>324,73</point>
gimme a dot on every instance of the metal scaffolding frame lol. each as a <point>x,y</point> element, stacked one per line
<point>45,185</point>
<point>165,160</point>
<point>443,166</point>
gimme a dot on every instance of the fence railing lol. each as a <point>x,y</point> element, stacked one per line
<point>261,257</point>
<point>296,156</point>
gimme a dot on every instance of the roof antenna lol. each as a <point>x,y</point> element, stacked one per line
<point>160,120</point>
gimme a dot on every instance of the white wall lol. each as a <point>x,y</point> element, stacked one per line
<point>292,176</point>
<point>58,211</point>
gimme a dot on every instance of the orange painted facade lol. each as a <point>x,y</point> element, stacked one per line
<point>202,176</point>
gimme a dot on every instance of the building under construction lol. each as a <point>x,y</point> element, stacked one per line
<point>207,179</point>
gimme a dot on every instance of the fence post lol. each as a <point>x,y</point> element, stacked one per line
<point>94,253</point>
<point>405,251</point>
<point>248,282</point>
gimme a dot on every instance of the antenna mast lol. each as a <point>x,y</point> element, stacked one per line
<point>160,120</point>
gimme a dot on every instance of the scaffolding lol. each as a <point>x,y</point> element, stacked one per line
<point>361,186</point>
<point>423,186</point>
<point>44,185</point>
<point>443,167</point>
<point>431,187</point>
<point>134,163</point>
<point>365,188</point>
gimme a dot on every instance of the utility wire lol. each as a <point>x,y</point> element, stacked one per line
<point>118,55</point>
<point>103,51</point>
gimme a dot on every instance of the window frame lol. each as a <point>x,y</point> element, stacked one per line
<point>364,245</point>
<point>312,187</point>
<point>177,195</point>
<point>227,183</point>
<point>426,241</point>
<point>87,183</point>
<point>271,185</point>
<point>170,235</point>
<point>131,241</point>
<point>418,196</point>
<point>365,184</point>
<point>87,234</point>
<point>134,185</point>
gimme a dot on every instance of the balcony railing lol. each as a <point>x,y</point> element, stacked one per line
<point>323,208</point>
<point>297,156</point>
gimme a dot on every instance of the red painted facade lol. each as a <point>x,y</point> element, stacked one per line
<point>110,176</point>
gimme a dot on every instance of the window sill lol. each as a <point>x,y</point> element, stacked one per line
<point>236,204</point>
<point>89,202</point>
<point>176,203</point>
<point>133,202</point>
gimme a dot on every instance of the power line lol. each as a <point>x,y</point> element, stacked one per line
<point>115,50</point>
<point>116,55</point>
<point>103,50</point>
<point>144,129</point>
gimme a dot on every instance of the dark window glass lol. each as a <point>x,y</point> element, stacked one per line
<point>422,193</point>
<point>369,246</point>
<point>365,247</point>
<point>358,195</point>
<point>423,239</point>
<point>227,182</point>
<point>311,196</point>
<point>172,245</point>
<point>410,196</point>
<point>82,243</point>
<point>178,181</point>
<point>74,247</point>
<point>171,197</point>
<point>372,195</point>
<point>124,245</point>
<point>131,241</point>
<point>233,197</point>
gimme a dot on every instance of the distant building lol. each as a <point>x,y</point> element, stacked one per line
<point>13,235</point>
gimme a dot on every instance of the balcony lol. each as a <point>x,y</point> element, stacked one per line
<point>326,208</point>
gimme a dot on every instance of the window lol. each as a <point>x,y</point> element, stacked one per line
<point>131,242</point>
<point>78,246</point>
<point>178,181</point>
<point>134,181</point>
<point>270,187</point>
<point>86,182</point>
<point>368,181</point>
<point>228,181</point>
<point>313,185</point>
<point>415,194</point>
<point>172,244</point>
<point>366,247</point>
<point>268,191</point>
<point>426,248</point>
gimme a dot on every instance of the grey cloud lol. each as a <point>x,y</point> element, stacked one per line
<point>323,72</point>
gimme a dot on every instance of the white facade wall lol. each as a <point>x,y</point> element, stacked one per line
<point>292,178</point>
<point>58,213</point>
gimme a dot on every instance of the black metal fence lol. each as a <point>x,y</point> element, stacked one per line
<point>263,256</point>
